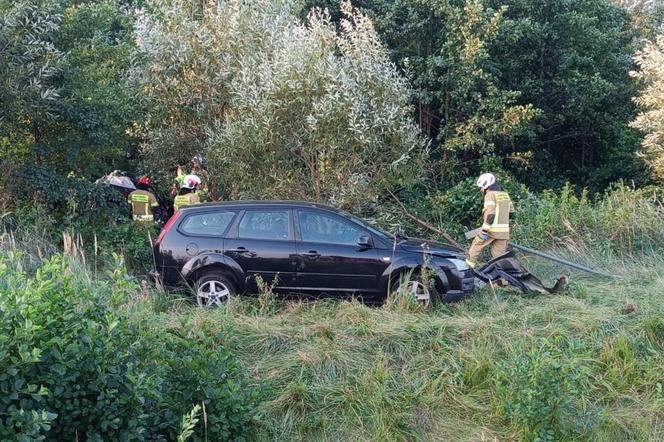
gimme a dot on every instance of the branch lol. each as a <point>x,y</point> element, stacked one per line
<point>425,224</point>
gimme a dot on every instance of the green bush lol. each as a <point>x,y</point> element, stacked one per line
<point>454,209</point>
<point>132,241</point>
<point>75,365</point>
<point>461,205</point>
<point>537,391</point>
<point>197,369</point>
<point>65,357</point>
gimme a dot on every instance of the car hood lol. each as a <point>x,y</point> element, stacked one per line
<point>417,245</point>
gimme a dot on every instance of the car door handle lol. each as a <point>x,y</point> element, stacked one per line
<point>312,254</point>
<point>242,250</point>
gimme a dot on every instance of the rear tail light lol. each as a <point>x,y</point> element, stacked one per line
<point>167,227</point>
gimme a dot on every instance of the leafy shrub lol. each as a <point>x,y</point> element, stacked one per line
<point>66,357</point>
<point>195,368</point>
<point>99,215</point>
<point>189,422</point>
<point>536,389</point>
<point>454,209</point>
<point>651,102</point>
<point>461,205</point>
<point>76,365</point>
<point>132,241</point>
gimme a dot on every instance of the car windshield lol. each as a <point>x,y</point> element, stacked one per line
<point>375,230</point>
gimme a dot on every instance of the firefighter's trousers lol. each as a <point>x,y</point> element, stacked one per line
<point>498,247</point>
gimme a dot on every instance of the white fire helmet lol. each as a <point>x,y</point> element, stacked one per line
<point>191,182</point>
<point>485,181</point>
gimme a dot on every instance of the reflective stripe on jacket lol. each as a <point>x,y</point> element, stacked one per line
<point>142,202</point>
<point>496,214</point>
<point>143,218</point>
<point>185,200</point>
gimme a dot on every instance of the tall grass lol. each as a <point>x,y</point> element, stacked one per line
<point>624,221</point>
<point>588,365</point>
<point>501,365</point>
<point>585,365</point>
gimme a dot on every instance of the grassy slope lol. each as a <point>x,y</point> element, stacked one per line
<point>344,371</point>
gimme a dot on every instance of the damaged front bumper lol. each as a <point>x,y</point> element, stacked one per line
<point>506,268</point>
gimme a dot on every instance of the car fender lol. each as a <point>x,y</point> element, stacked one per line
<point>214,259</point>
<point>456,270</point>
<point>441,267</point>
<point>407,264</point>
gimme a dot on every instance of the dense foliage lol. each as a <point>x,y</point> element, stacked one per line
<point>538,391</point>
<point>571,61</point>
<point>544,86</point>
<point>443,46</point>
<point>302,112</point>
<point>65,106</point>
<point>74,364</point>
<point>289,101</point>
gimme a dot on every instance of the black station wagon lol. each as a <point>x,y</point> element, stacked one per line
<point>222,249</point>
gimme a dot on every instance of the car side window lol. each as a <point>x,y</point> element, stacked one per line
<point>268,224</point>
<point>208,223</point>
<point>318,227</point>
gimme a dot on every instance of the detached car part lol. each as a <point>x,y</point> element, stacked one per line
<point>473,233</point>
<point>508,269</point>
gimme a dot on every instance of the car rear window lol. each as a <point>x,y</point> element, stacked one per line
<point>208,223</point>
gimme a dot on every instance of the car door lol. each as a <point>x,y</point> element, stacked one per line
<point>204,231</point>
<point>262,243</point>
<point>195,233</point>
<point>329,257</point>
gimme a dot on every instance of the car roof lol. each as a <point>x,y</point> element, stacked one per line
<point>258,203</point>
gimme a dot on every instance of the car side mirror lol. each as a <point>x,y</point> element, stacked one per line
<point>365,242</point>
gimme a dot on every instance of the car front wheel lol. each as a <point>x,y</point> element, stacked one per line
<point>422,289</point>
<point>213,289</point>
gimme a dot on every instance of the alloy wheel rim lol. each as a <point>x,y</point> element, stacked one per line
<point>212,294</point>
<point>420,292</point>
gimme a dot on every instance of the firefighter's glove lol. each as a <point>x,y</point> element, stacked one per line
<point>483,235</point>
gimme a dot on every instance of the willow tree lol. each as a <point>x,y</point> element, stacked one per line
<point>650,119</point>
<point>443,46</point>
<point>279,107</point>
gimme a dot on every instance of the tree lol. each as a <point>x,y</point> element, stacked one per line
<point>570,59</point>
<point>280,108</point>
<point>647,16</point>
<point>66,107</point>
<point>443,45</point>
<point>29,65</point>
<point>650,120</point>
<point>29,91</point>
<point>100,111</point>
<point>478,66</point>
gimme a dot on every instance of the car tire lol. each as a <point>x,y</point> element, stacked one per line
<point>213,289</point>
